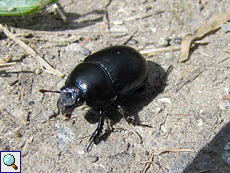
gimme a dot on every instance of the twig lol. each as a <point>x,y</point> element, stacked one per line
<point>106,16</point>
<point>73,32</point>
<point>131,130</point>
<point>31,52</point>
<point>60,12</point>
<point>154,51</point>
<point>7,64</point>
<point>159,152</point>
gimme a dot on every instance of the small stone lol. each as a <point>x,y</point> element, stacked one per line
<point>225,27</point>
<point>227,90</point>
<point>133,41</point>
<point>165,100</point>
<point>157,110</point>
<point>81,152</point>
<point>177,40</point>
<point>154,30</point>
<point>93,159</point>
<point>64,136</point>
<point>85,51</point>
<point>224,105</point>
<point>31,103</point>
<point>74,47</point>
<point>38,71</point>
<point>200,122</point>
<point>162,42</point>
<point>118,22</point>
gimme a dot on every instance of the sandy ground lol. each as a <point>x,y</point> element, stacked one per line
<point>190,119</point>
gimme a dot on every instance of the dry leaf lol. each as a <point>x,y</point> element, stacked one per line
<point>185,46</point>
<point>211,26</point>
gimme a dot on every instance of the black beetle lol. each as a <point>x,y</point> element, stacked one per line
<point>100,79</point>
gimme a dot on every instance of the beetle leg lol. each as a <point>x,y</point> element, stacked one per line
<point>161,79</point>
<point>94,137</point>
<point>98,131</point>
<point>129,119</point>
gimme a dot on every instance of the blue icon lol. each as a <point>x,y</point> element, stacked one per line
<point>9,160</point>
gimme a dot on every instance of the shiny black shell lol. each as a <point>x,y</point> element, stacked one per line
<point>108,73</point>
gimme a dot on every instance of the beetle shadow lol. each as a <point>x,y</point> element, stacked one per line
<point>45,21</point>
<point>214,156</point>
<point>133,103</point>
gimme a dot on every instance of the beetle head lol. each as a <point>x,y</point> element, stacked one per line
<point>70,98</point>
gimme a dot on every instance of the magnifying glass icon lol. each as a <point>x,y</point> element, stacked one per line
<point>9,160</point>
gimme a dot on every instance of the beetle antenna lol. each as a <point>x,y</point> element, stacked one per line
<point>45,91</point>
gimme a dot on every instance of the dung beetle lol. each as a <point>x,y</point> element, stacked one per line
<point>100,79</point>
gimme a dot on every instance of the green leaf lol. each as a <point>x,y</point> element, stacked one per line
<point>22,7</point>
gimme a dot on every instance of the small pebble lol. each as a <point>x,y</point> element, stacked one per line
<point>118,22</point>
<point>157,110</point>
<point>177,40</point>
<point>162,41</point>
<point>226,97</point>
<point>203,2</point>
<point>93,159</point>
<point>224,105</point>
<point>29,35</point>
<point>200,122</point>
<point>38,71</point>
<point>19,135</point>
<point>154,30</point>
<point>132,42</point>
<point>148,8</point>
<point>64,136</point>
<point>165,100</point>
<point>31,103</point>
<point>225,27</point>
<point>81,152</point>
<point>201,7</point>
<point>227,90</point>
<point>85,51</point>
<point>74,47</point>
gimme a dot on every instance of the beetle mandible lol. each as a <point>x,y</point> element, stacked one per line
<point>100,79</point>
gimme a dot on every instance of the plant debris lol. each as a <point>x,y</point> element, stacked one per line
<point>31,52</point>
<point>211,26</point>
<point>160,151</point>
